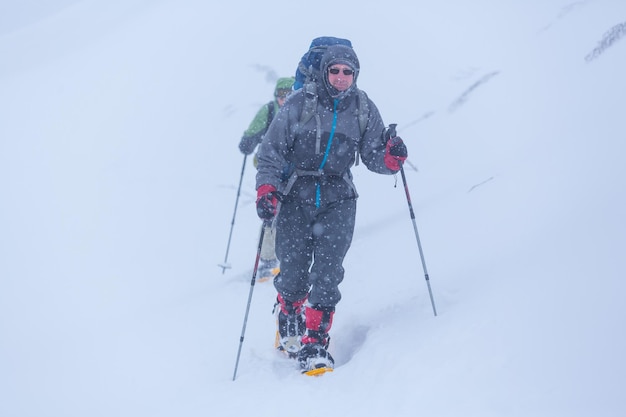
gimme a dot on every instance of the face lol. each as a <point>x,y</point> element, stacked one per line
<point>281,96</point>
<point>281,100</point>
<point>340,76</point>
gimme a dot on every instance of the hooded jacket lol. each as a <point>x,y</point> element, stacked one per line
<point>315,169</point>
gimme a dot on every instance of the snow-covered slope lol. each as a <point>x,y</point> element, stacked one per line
<point>118,177</point>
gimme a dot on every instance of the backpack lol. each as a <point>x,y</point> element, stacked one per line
<point>309,65</point>
<point>306,75</point>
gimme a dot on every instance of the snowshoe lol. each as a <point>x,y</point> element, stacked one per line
<point>315,360</point>
<point>290,326</point>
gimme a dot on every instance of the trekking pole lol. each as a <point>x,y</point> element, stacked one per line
<point>225,264</point>
<point>392,134</point>
<point>266,223</point>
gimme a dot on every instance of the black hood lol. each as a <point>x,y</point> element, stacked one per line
<point>339,54</point>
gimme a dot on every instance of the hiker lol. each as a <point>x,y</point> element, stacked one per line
<point>304,181</point>
<point>268,263</point>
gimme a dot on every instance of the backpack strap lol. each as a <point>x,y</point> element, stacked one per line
<point>271,110</point>
<point>364,111</point>
<point>363,116</point>
<point>310,102</point>
<point>309,110</point>
<point>302,173</point>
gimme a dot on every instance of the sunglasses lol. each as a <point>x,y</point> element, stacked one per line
<point>335,71</point>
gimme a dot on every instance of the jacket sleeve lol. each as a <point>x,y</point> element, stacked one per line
<point>273,153</point>
<point>372,145</point>
<point>254,134</point>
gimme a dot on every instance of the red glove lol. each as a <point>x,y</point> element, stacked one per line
<point>395,153</point>
<point>266,201</point>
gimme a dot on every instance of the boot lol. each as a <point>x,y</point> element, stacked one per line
<point>290,320</point>
<point>314,352</point>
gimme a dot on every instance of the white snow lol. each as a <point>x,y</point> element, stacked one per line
<point>119,168</point>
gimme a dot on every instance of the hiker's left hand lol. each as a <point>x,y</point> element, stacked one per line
<point>395,153</point>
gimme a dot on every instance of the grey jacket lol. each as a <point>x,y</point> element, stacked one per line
<point>291,154</point>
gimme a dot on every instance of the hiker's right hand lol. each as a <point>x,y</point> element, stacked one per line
<point>246,146</point>
<point>266,202</point>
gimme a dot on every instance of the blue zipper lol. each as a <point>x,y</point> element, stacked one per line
<point>330,141</point>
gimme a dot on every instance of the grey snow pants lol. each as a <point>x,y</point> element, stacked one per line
<point>311,244</point>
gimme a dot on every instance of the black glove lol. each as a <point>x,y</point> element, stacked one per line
<point>395,150</point>
<point>398,148</point>
<point>266,202</point>
<point>247,145</point>
<point>395,153</point>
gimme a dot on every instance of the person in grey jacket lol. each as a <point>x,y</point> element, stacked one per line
<point>305,165</point>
